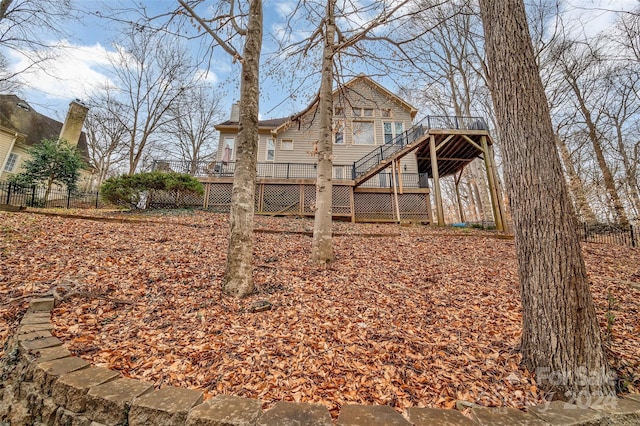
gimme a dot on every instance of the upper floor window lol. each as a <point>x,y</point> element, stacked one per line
<point>392,131</point>
<point>338,111</point>
<point>12,161</point>
<point>386,113</point>
<point>228,153</point>
<point>362,112</point>
<point>271,150</point>
<point>286,144</point>
<point>338,133</point>
<point>363,133</point>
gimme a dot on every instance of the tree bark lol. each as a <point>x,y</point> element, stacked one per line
<point>561,340</point>
<point>583,208</point>
<point>238,279</point>
<point>322,248</point>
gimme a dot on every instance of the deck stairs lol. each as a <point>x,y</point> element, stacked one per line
<point>381,157</point>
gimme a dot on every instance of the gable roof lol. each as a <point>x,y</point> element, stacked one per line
<point>278,124</point>
<point>381,89</point>
<point>349,84</point>
<point>16,115</point>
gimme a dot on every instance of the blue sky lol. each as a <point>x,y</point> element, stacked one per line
<point>83,56</point>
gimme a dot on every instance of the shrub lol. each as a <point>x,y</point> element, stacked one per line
<point>134,191</point>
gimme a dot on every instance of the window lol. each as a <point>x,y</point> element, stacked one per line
<point>12,161</point>
<point>363,133</point>
<point>338,133</point>
<point>339,111</point>
<point>228,154</point>
<point>362,112</point>
<point>385,113</point>
<point>286,144</point>
<point>392,130</point>
<point>271,150</point>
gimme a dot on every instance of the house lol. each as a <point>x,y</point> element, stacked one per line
<point>386,164</point>
<point>22,127</point>
<point>366,115</point>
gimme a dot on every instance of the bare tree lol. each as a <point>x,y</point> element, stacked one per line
<point>238,279</point>
<point>24,26</point>
<point>151,74</point>
<point>107,134</point>
<point>191,132</point>
<point>579,65</point>
<point>561,337</point>
<point>345,36</point>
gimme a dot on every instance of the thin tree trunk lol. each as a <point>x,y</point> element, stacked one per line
<point>630,175</point>
<point>238,278</point>
<point>583,208</point>
<point>609,182</point>
<point>322,248</point>
<point>561,340</point>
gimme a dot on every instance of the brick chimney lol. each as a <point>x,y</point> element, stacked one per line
<point>235,112</point>
<point>72,127</point>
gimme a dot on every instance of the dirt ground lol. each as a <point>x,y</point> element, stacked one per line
<point>406,316</point>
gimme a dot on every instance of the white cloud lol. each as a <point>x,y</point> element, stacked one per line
<point>285,8</point>
<point>207,76</point>
<point>73,72</point>
<point>591,17</point>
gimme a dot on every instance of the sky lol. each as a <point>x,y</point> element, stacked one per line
<point>83,55</point>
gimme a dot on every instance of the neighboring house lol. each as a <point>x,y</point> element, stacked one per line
<point>22,127</point>
<point>366,115</point>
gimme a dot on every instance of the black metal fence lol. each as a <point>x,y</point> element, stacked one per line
<point>34,196</point>
<point>609,234</point>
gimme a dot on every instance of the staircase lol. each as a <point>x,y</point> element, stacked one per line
<point>380,158</point>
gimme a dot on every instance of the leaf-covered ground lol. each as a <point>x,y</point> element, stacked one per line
<point>406,316</point>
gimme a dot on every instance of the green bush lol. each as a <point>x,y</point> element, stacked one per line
<point>129,190</point>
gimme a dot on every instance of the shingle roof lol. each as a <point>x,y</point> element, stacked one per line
<point>271,123</point>
<point>17,115</point>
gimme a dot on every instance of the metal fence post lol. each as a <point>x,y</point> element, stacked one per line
<point>633,237</point>
<point>353,171</point>
<point>33,195</point>
<point>9,194</point>
<point>97,198</point>
<point>68,197</point>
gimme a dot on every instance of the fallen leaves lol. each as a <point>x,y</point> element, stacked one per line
<point>416,316</point>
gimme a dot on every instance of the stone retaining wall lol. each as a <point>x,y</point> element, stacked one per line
<point>42,384</point>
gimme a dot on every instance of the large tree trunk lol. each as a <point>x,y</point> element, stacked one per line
<point>583,208</point>
<point>322,249</point>
<point>238,279</point>
<point>561,340</point>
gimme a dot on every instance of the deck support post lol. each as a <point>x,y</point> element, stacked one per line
<point>492,179</point>
<point>395,190</point>
<point>436,180</point>
<point>352,203</point>
<point>460,209</point>
<point>399,170</point>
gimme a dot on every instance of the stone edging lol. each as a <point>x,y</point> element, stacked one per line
<point>44,384</point>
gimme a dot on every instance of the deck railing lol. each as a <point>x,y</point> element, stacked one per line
<point>284,171</point>
<point>410,136</point>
